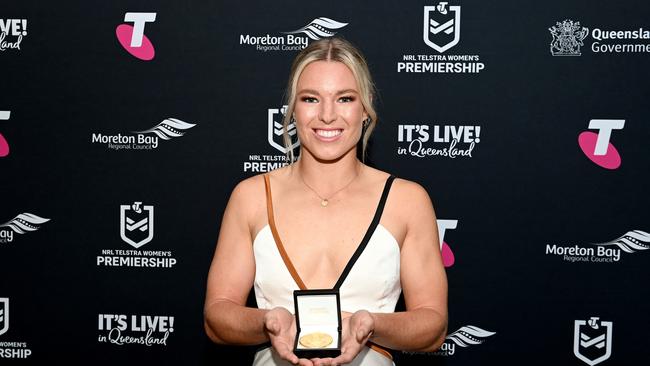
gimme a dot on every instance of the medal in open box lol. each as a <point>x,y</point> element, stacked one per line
<point>318,322</point>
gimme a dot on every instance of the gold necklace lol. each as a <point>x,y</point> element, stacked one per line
<point>325,201</point>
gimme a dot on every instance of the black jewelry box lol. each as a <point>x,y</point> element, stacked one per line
<point>317,311</point>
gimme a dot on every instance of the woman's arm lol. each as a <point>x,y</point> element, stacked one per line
<point>227,320</point>
<point>226,317</point>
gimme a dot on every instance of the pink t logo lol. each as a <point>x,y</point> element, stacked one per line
<point>4,145</point>
<point>132,38</point>
<point>448,258</point>
<point>597,146</point>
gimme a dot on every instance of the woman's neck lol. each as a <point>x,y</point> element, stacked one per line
<point>327,176</point>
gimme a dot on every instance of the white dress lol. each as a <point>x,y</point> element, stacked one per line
<point>372,283</point>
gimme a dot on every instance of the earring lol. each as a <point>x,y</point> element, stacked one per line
<point>367,122</point>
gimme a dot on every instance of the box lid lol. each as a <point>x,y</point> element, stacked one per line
<point>317,307</point>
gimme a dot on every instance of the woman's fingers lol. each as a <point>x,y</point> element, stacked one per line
<point>345,357</point>
<point>286,353</point>
<point>361,335</point>
<point>305,362</point>
<point>272,327</point>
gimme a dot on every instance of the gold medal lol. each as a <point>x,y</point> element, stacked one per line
<point>316,340</point>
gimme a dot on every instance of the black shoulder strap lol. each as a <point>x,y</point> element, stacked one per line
<point>369,232</point>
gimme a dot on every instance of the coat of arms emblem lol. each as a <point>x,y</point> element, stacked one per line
<point>567,38</point>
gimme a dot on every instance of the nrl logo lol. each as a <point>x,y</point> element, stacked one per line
<point>4,315</point>
<point>567,38</point>
<point>136,224</point>
<point>592,344</point>
<point>441,26</point>
<point>275,129</point>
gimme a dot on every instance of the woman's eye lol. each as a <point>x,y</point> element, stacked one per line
<point>309,99</point>
<point>346,99</point>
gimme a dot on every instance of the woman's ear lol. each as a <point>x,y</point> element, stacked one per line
<point>365,113</point>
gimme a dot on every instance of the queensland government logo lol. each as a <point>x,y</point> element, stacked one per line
<point>10,349</point>
<point>132,38</point>
<point>607,252</point>
<point>4,145</point>
<point>12,32</point>
<point>136,229</point>
<point>21,224</point>
<point>264,162</point>
<point>592,340</point>
<point>596,146</point>
<point>441,32</point>
<point>448,141</point>
<point>294,40</point>
<point>568,38</point>
<point>144,140</point>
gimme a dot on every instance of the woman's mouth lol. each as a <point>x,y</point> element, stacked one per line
<point>328,135</point>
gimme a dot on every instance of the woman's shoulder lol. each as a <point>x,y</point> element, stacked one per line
<point>253,186</point>
<point>248,194</point>
<point>404,189</point>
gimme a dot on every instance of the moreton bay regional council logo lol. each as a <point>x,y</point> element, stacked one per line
<point>319,28</point>
<point>567,38</point>
<point>441,26</point>
<point>136,224</point>
<point>275,130</point>
<point>592,340</point>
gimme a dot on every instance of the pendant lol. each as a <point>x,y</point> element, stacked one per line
<point>324,202</point>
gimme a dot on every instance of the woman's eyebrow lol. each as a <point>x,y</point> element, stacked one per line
<point>346,91</point>
<point>312,91</point>
<point>308,91</point>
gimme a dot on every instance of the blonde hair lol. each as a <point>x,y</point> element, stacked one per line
<point>339,50</point>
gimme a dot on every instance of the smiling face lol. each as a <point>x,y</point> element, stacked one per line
<point>328,110</point>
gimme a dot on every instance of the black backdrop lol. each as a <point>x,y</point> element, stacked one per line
<point>527,194</point>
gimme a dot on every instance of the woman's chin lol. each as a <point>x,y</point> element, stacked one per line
<point>330,156</point>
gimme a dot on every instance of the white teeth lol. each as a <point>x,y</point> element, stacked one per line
<point>328,133</point>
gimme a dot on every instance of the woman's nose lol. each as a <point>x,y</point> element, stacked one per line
<point>327,112</point>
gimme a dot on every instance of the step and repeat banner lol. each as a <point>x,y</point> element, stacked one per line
<point>124,126</point>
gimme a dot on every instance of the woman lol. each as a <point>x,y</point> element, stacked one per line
<point>297,228</point>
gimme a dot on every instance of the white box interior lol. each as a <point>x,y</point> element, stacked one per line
<point>318,313</point>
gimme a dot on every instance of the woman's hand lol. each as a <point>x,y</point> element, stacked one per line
<point>357,329</point>
<point>280,326</point>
